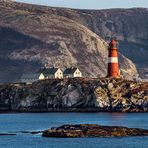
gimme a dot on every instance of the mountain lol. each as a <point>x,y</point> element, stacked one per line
<point>32,36</point>
<point>129,26</point>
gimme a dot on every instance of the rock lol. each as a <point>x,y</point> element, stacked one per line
<point>102,99</point>
<point>110,86</point>
<point>75,94</point>
<point>92,130</point>
<point>31,132</point>
<point>36,132</point>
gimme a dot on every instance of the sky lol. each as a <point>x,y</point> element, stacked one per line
<point>91,4</point>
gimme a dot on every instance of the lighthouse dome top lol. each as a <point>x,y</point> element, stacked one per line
<point>113,44</point>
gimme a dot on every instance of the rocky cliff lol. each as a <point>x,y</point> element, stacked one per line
<point>32,36</point>
<point>112,95</point>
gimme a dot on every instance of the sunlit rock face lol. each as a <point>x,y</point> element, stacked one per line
<point>33,36</point>
<point>111,95</point>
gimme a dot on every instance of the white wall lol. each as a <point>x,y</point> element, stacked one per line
<point>77,73</point>
<point>59,74</point>
<point>41,77</point>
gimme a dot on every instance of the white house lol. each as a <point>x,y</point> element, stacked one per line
<point>72,72</point>
<point>32,77</point>
<point>52,73</point>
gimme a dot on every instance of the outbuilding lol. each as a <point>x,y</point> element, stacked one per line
<point>72,72</point>
<point>32,77</point>
<point>53,73</point>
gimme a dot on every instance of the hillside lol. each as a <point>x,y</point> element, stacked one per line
<point>32,36</point>
<point>129,26</point>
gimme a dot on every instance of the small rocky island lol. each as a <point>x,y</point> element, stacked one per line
<point>75,95</point>
<point>92,130</point>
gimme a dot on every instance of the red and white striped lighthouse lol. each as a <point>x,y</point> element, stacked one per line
<point>113,66</point>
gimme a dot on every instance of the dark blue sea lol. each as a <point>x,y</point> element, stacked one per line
<point>14,123</point>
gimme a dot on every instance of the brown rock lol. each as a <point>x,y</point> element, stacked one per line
<point>93,130</point>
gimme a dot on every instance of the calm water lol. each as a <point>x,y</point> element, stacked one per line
<point>14,123</point>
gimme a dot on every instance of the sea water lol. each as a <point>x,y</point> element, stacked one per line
<point>15,123</point>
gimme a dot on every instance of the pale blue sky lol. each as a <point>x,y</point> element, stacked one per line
<point>91,4</point>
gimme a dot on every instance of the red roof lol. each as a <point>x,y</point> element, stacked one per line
<point>113,44</point>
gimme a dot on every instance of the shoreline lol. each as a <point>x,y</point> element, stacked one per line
<point>42,112</point>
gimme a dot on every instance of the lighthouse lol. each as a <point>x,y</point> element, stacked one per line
<point>113,66</point>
